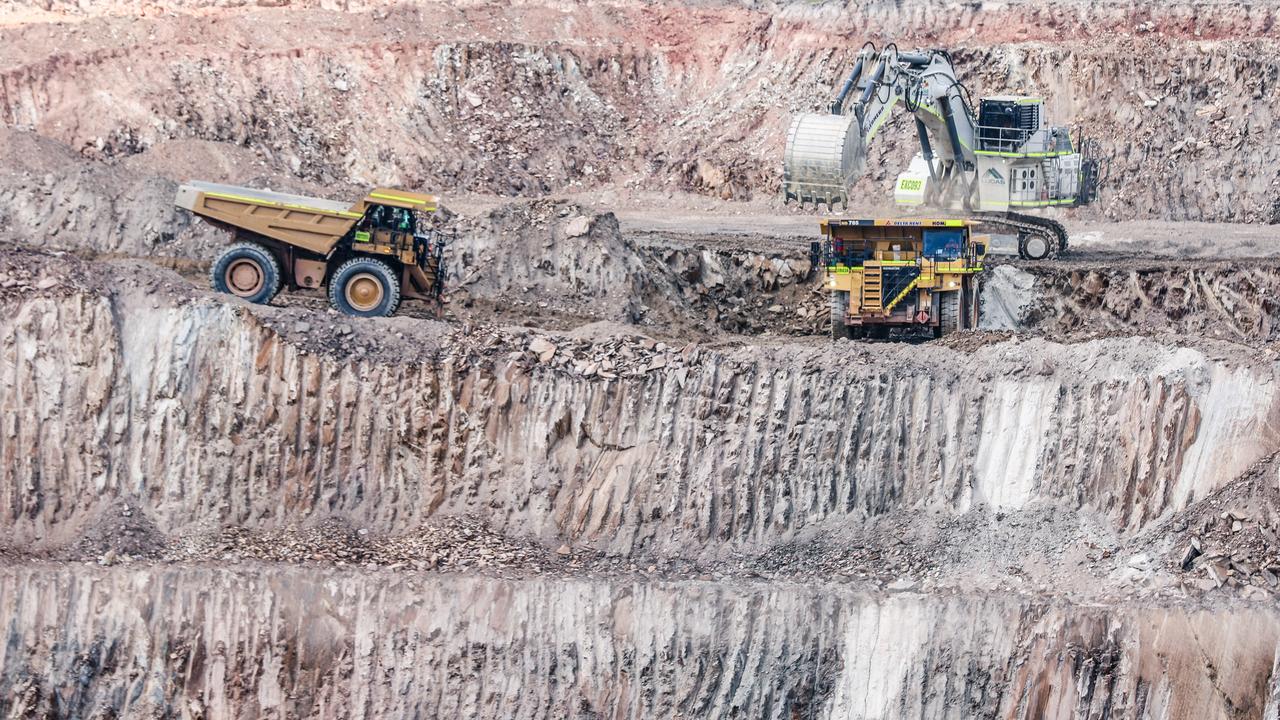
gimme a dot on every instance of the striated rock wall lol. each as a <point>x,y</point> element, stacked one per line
<point>259,641</point>
<point>1230,300</point>
<point>198,411</point>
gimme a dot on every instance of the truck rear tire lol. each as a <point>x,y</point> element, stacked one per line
<point>246,270</point>
<point>364,287</point>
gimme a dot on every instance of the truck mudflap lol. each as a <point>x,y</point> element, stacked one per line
<point>418,284</point>
<point>425,279</point>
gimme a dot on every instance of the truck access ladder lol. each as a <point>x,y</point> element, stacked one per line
<point>872,296</point>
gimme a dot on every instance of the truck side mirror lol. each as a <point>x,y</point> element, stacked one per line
<point>980,249</point>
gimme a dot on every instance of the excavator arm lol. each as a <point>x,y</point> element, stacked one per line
<point>826,153</point>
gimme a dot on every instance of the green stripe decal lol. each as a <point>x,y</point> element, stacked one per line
<point>401,198</point>
<point>995,153</point>
<point>884,115</point>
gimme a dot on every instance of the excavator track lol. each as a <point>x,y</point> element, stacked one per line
<point>1052,232</point>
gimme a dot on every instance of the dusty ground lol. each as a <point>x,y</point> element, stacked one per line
<point>625,472</point>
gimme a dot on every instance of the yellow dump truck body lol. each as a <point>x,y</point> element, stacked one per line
<point>313,224</point>
<point>307,234</point>
<point>884,273</point>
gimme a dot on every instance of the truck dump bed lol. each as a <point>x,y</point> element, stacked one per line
<point>311,223</point>
<point>266,196</point>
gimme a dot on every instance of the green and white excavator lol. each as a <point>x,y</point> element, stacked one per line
<point>990,167</point>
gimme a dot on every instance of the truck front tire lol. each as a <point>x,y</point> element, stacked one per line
<point>952,317</point>
<point>839,315</point>
<point>364,287</point>
<point>246,270</point>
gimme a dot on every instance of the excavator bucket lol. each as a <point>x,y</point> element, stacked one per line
<point>824,156</point>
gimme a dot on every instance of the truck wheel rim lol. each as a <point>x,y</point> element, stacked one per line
<point>364,292</point>
<point>244,277</point>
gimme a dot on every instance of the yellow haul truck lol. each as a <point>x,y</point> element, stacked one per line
<point>369,254</point>
<point>910,274</point>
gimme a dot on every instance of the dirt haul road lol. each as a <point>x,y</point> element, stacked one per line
<point>627,475</point>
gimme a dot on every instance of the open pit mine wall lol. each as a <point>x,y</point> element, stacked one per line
<point>698,98</point>
<point>196,412</point>
<point>273,642</point>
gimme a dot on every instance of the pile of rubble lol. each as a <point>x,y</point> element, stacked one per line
<point>716,289</point>
<point>445,543</point>
<point>118,533</point>
<point>896,563</point>
<point>1234,550</point>
<point>608,358</point>
<point>25,272</point>
<point>1230,540</point>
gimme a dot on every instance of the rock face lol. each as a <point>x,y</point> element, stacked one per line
<point>552,252</point>
<point>1230,300</point>
<point>252,641</point>
<point>623,479</point>
<point>199,412</point>
<point>645,511</point>
<point>128,395</point>
<point>547,98</point>
<point>541,261</point>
